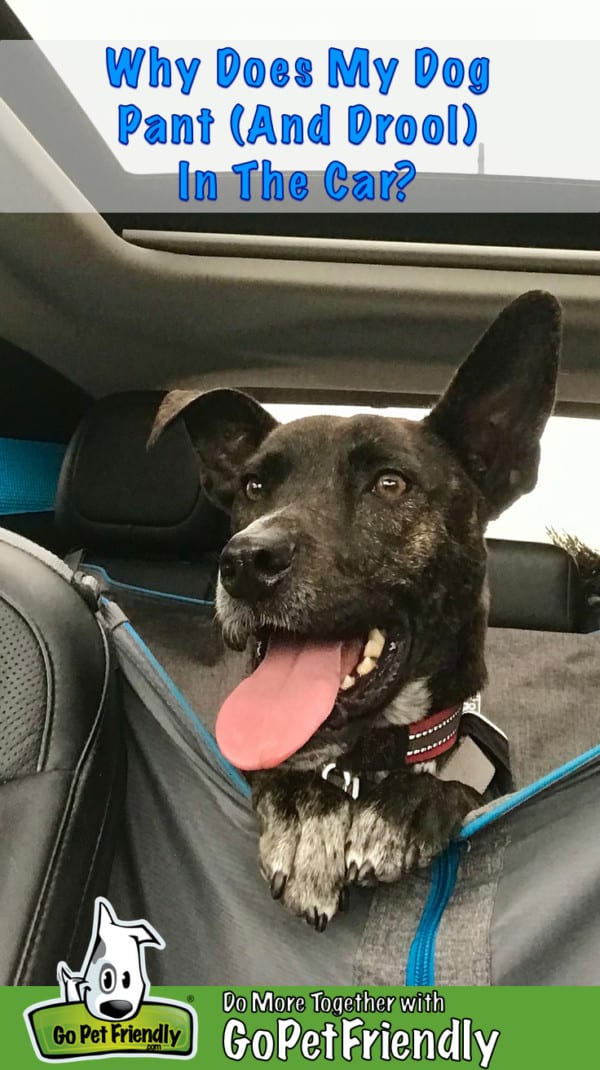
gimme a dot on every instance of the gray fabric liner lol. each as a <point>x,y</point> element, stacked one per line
<point>533,920</point>
<point>162,704</point>
<point>525,906</point>
<point>396,910</point>
<point>186,641</point>
<point>469,913</point>
<point>542,692</point>
<point>544,929</point>
<point>210,904</point>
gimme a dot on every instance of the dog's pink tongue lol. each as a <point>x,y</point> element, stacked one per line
<point>276,710</point>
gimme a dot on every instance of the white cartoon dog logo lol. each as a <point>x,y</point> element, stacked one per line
<point>113,981</point>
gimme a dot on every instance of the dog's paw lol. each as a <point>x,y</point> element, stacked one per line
<point>401,825</point>
<point>304,829</point>
<point>378,847</point>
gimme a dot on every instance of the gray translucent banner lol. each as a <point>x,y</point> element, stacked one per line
<point>60,150</point>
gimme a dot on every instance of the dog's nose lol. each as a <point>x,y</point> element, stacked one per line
<point>253,564</point>
<point>116,1008</point>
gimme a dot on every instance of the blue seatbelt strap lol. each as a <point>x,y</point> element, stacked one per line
<point>29,474</point>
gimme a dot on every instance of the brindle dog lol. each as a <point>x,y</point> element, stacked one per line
<point>364,531</point>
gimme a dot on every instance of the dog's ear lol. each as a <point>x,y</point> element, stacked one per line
<point>496,407</point>
<point>226,427</point>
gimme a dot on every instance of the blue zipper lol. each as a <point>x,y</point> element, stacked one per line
<point>421,958</point>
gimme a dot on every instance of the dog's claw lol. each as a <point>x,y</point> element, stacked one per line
<point>365,873</point>
<point>352,872</point>
<point>302,856</point>
<point>317,921</point>
<point>278,883</point>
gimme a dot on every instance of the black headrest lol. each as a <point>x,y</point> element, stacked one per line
<point>115,494</point>
<point>533,585</point>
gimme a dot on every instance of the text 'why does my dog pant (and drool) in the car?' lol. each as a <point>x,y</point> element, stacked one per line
<point>239,107</point>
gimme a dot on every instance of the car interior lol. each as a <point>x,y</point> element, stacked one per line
<point>112,667</point>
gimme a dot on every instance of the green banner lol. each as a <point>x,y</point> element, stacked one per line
<point>510,1028</point>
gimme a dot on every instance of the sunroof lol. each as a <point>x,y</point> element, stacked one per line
<point>218,106</point>
<point>472,107</point>
<point>499,126</point>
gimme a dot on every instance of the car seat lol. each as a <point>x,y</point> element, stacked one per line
<point>62,762</point>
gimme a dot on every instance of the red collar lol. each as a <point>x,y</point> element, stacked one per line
<point>432,736</point>
<point>388,747</point>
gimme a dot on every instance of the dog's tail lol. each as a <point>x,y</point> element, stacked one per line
<point>587,561</point>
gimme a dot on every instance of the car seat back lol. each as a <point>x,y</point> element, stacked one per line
<point>62,769</point>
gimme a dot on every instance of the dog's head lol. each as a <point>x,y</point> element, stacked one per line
<point>363,537</point>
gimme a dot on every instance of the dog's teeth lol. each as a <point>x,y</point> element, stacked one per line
<point>347,682</point>
<point>375,644</point>
<point>371,650</point>
<point>366,666</point>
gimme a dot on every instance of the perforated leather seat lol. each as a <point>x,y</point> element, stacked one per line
<point>62,767</point>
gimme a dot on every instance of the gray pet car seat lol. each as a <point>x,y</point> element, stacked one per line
<point>518,906</point>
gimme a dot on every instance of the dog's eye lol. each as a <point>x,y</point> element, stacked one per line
<point>108,979</point>
<point>253,488</point>
<point>389,485</point>
<point>126,979</point>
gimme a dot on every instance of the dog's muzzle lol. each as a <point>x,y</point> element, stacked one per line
<point>254,562</point>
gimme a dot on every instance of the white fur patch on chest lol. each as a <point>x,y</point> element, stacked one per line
<point>426,767</point>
